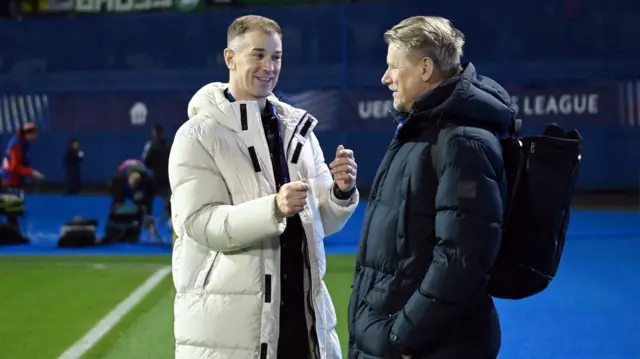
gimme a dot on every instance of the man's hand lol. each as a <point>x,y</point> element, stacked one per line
<point>37,175</point>
<point>291,199</point>
<point>344,169</point>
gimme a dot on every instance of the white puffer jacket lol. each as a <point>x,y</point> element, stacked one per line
<point>223,204</point>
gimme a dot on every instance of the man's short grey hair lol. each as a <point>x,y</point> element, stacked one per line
<point>429,36</point>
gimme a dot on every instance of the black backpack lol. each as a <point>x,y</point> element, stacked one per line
<point>541,175</point>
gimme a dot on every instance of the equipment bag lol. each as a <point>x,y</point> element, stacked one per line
<point>541,174</point>
<point>78,232</point>
<point>124,225</point>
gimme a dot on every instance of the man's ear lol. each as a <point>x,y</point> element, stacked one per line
<point>229,58</point>
<point>428,66</point>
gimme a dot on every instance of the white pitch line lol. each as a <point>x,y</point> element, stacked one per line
<point>99,265</point>
<point>107,323</point>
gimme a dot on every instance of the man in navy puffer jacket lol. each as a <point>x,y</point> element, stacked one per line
<point>432,229</point>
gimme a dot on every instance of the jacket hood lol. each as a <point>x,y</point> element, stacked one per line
<point>211,102</point>
<point>471,98</point>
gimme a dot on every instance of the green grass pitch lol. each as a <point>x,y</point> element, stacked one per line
<point>48,303</point>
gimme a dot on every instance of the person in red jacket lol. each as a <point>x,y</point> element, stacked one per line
<point>16,164</point>
<point>16,168</point>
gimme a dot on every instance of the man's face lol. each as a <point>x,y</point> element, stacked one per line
<point>405,77</point>
<point>255,63</point>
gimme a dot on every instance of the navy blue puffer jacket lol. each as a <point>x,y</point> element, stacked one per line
<point>432,230</point>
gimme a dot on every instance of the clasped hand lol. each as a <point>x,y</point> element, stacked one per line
<point>291,198</point>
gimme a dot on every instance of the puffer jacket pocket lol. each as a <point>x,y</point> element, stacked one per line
<point>383,301</point>
<point>205,273</point>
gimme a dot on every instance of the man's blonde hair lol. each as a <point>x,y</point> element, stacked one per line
<point>248,23</point>
<point>429,36</point>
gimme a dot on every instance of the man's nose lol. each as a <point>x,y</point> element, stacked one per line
<point>267,65</point>
<point>386,79</point>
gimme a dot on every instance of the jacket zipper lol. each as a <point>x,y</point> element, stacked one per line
<point>314,333</point>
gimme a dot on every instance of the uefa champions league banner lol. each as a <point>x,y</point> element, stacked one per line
<point>578,104</point>
<point>359,118</point>
<point>569,105</point>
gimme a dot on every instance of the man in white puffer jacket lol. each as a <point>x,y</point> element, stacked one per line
<point>252,201</point>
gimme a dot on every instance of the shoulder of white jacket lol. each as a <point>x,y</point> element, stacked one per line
<point>215,89</point>
<point>207,106</point>
<point>198,127</point>
<point>209,100</point>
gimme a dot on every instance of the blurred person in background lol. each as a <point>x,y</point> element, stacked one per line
<point>16,169</point>
<point>253,199</point>
<point>16,164</point>
<point>133,184</point>
<point>433,228</point>
<point>72,160</point>
<point>156,157</point>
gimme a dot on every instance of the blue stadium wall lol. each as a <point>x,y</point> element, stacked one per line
<point>106,80</point>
